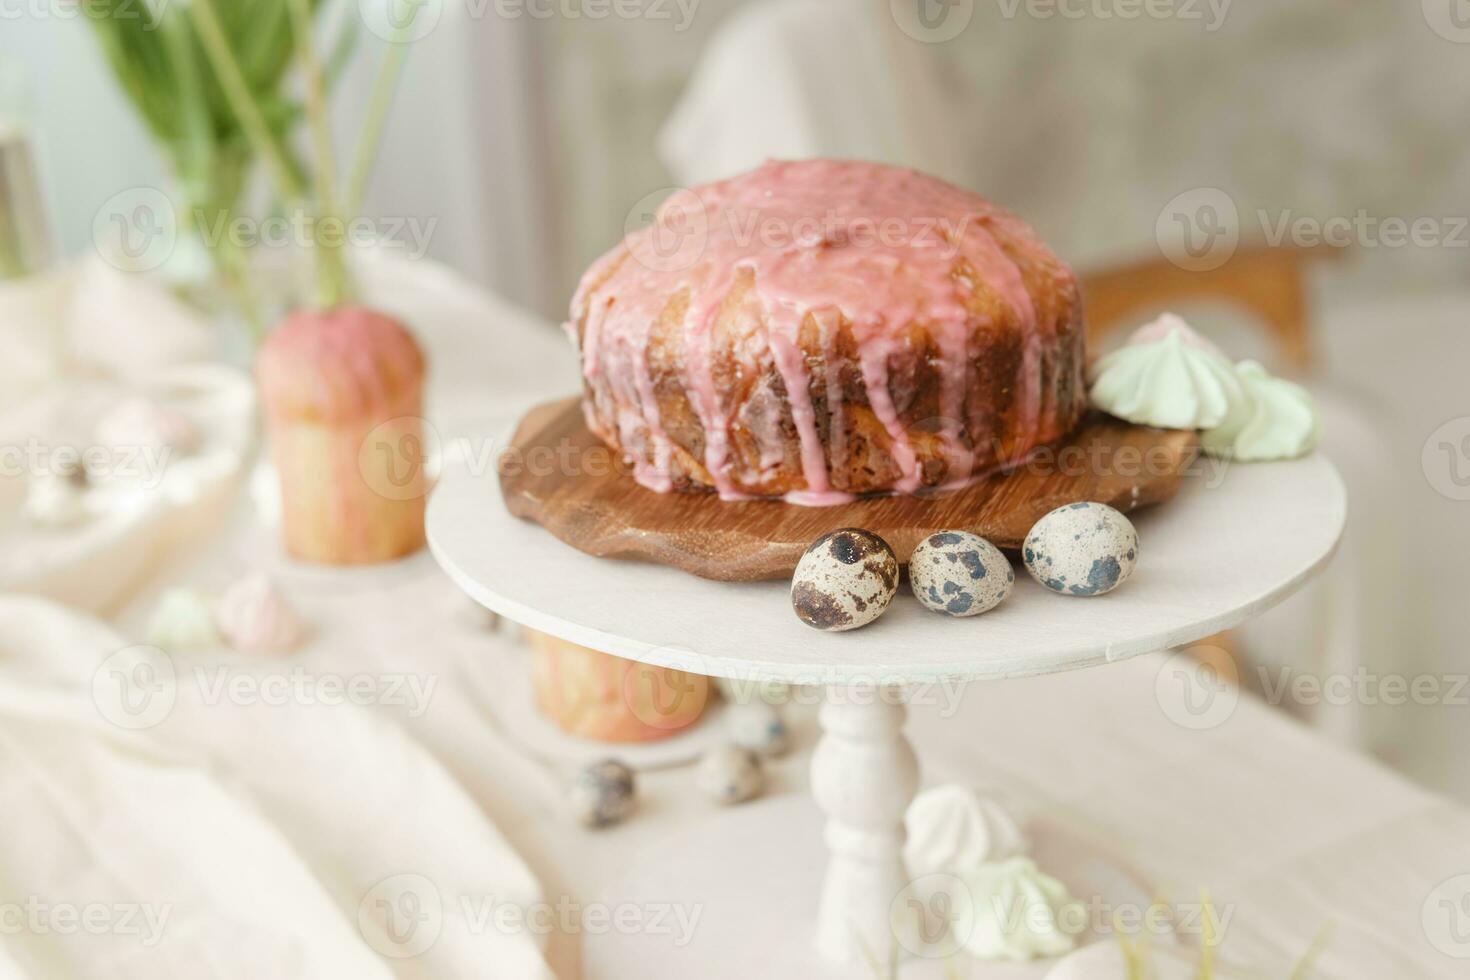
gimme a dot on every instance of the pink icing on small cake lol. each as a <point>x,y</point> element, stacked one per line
<point>819,328</point>
<point>339,364</point>
<point>343,393</point>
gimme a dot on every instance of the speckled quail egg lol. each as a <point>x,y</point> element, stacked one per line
<point>845,580</point>
<point>730,774</point>
<point>1081,549</point>
<point>959,573</point>
<point>602,793</point>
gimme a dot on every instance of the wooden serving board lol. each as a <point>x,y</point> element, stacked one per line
<point>558,474</point>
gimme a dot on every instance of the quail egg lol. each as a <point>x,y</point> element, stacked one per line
<point>730,774</point>
<point>602,793</point>
<point>1081,549</point>
<point>845,580</point>
<point>959,573</point>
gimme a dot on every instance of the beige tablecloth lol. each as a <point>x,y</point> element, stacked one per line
<point>1288,832</point>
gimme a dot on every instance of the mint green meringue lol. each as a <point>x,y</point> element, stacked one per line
<point>1279,420</point>
<point>183,621</point>
<point>1017,913</point>
<point>1178,382</point>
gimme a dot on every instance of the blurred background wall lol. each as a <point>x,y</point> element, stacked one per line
<point>534,132</point>
<point>530,132</point>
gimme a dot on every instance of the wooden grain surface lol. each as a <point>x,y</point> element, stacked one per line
<point>558,474</point>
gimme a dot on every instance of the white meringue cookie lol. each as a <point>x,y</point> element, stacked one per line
<point>1179,381</point>
<point>1278,420</point>
<point>254,617</point>
<point>1018,914</point>
<point>954,830</point>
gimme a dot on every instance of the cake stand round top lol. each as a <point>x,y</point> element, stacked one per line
<point>1236,540</point>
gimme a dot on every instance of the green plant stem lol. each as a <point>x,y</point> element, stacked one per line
<point>379,102</point>
<point>210,172</point>
<point>232,80</point>
<point>332,284</point>
<point>234,271</point>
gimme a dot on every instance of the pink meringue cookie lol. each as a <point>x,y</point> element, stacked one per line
<point>1167,324</point>
<point>254,617</point>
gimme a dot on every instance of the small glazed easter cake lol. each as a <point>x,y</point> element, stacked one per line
<point>823,328</point>
<point>329,381</point>
<point>599,696</point>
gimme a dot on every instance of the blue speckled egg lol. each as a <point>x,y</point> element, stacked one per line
<point>959,573</point>
<point>1081,549</point>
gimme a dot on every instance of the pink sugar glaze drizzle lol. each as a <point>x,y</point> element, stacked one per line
<point>791,363</point>
<point>874,244</point>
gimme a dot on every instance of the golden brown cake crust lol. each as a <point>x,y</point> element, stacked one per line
<point>982,364</point>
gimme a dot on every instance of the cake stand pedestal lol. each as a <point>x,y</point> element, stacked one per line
<point>1235,541</point>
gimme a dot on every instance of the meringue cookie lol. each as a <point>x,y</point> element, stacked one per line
<point>1279,420</point>
<point>1178,382</point>
<point>254,617</point>
<point>1018,914</point>
<point>1170,323</point>
<point>142,423</point>
<point>182,621</point>
<point>954,830</point>
<point>55,500</point>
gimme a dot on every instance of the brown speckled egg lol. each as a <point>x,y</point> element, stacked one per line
<point>845,580</point>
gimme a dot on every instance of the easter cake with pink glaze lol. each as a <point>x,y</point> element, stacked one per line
<point>818,329</point>
<point>343,396</point>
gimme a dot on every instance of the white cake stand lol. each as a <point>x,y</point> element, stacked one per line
<point>1224,550</point>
